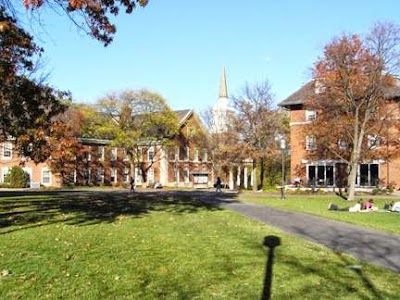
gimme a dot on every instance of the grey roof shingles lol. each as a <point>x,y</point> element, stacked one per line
<point>301,95</point>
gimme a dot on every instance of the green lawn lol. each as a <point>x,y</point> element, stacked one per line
<point>111,245</point>
<point>318,205</point>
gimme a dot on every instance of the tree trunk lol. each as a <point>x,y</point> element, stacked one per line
<point>351,181</point>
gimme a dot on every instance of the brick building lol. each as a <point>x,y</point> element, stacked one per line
<point>186,163</point>
<point>330,172</point>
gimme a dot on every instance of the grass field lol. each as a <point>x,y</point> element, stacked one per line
<point>318,204</point>
<point>163,245</point>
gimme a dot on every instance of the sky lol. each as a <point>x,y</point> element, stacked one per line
<point>179,48</point>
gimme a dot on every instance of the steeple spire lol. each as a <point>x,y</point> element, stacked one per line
<point>223,90</point>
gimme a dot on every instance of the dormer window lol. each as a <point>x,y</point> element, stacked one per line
<point>311,115</point>
<point>342,145</point>
<point>319,87</point>
<point>373,141</point>
<point>311,143</point>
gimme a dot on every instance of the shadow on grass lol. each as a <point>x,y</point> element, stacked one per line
<point>363,246</point>
<point>25,209</point>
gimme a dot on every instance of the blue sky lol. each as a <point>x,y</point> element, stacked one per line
<point>178,48</point>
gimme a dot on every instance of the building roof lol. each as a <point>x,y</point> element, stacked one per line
<point>183,115</point>
<point>300,96</point>
<point>306,91</point>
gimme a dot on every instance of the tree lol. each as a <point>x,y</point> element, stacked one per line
<point>258,123</point>
<point>28,105</point>
<point>224,145</point>
<point>64,145</point>
<point>92,16</point>
<point>353,93</point>
<point>140,122</point>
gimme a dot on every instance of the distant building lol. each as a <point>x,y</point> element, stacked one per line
<point>183,164</point>
<point>330,172</point>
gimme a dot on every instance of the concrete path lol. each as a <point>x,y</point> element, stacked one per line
<point>367,245</point>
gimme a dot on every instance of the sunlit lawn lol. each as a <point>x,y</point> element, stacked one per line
<point>317,204</point>
<point>109,245</point>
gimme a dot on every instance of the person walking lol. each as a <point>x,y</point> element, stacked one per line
<point>132,185</point>
<point>218,185</point>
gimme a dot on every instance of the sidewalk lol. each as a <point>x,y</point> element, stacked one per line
<point>374,247</point>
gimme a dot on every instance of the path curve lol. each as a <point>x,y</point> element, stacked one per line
<point>372,246</point>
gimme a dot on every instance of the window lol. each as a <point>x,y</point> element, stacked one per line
<point>114,152</point>
<point>101,153</point>
<point>89,154</point>
<point>126,175</point>
<point>311,115</point>
<point>205,155</point>
<point>187,153</point>
<point>100,174</point>
<point>150,154</point>
<point>373,141</point>
<point>319,87</point>
<point>113,177</point>
<point>87,175</point>
<point>126,156</point>
<point>186,176</point>
<point>176,153</point>
<point>342,145</point>
<point>4,173</point>
<point>46,177</point>
<point>311,143</point>
<point>196,155</point>
<point>7,150</point>
<point>138,176</point>
<point>150,176</point>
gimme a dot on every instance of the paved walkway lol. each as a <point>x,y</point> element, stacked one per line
<point>368,245</point>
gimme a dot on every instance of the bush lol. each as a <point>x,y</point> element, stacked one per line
<point>17,178</point>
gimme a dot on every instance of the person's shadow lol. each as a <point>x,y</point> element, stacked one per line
<point>271,242</point>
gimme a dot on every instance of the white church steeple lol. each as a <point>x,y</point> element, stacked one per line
<point>221,109</point>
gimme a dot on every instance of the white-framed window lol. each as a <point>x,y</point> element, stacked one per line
<point>114,153</point>
<point>373,141</point>
<point>186,175</point>
<point>176,153</point>
<point>126,156</point>
<point>89,154</point>
<point>205,155</point>
<point>101,153</point>
<point>100,174</point>
<point>311,143</point>
<point>150,176</point>
<point>196,155</point>
<point>87,175</point>
<point>311,115</point>
<point>4,173</point>
<point>138,176</point>
<point>46,177</point>
<point>113,176</point>
<point>7,150</point>
<point>187,153</point>
<point>319,87</point>
<point>342,145</point>
<point>126,175</point>
<point>150,154</point>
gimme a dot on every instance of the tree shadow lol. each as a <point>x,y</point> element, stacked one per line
<point>360,248</point>
<point>25,209</point>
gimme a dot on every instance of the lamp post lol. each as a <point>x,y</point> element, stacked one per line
<point>283,148</point>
